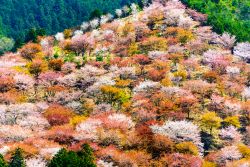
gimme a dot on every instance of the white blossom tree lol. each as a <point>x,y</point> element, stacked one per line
<point>35,162</point>
<point>59,36</point>
<point>118,12</point>
<point>242,50</point>
<point>180,131</point>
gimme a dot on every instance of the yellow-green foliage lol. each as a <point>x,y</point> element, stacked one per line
<point>244,150</point>
<point>208,164</point>
<point>154,43</point>
<point>67,33</point>
<point>133,49</point>
<point>181,73</point>
<point>123,83</point>
<point>187,148</point>
<point>77,119</point>
<point>166,81</point>
<point>36,67</point>
<point>184,35</point>
<point>21,69</point>
<point>113,94</point>
<point>210,120</point>
<point>233,120</point>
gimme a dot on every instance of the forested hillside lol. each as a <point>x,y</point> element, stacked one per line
<point>226,15</point>
<point>18,16</point>
<point>151,88</point>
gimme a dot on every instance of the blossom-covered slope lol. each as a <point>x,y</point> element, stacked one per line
<point>156,88</point>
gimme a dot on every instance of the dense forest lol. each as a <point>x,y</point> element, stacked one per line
<point>18,16</point>
<point>226,15</point>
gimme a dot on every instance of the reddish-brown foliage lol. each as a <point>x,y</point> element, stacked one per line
<point>58,115</point>
<point>30,50</point>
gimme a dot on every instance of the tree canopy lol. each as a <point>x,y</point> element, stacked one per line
<point>17,17</point>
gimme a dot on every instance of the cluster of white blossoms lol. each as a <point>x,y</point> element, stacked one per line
<point>226,40</point>
<point>90,125</point>
<point>94,89</point>
<point>77,32</point>
<point>102,163</point>
<point>59,36</point>
<point>174,91</point>
<point>246,93</point>
<point>85,26</point>
<point>14,133</point>
<point>232,107</point>
<point>242,50</point>
<point>106,18</point>
<point>88,129</point>
<point>94,23</point>
<point>229,153</point>
<point>215,56</point>
<point>157,55</point>
<point>49,151</point>
<point>23,81</point>
<point>35,162</point>
<point>147,86</point>
<point>180,131</point>
<point>231,134</point>
<point>232,70</point>
<point>118,12</point>
<point>68,80</point>
<point>4,150</point>
<point>122,119</point>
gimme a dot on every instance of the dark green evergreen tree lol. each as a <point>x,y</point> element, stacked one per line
<point>95,14</point>
<point>17,159</point>
<point>83,158</point>
<point>19,16</point>
<point>2,162</point>
<point>1,27</point>
<point>87,155</point>
<point>33,33</point>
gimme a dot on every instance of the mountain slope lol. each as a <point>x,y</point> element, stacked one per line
<point>155,88</point>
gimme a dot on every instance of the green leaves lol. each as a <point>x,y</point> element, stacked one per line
<point>2,162</point>
<point>51,15</point>
<point>6,44</point>
<point>226,15</point>
<point>83,158</point>
<point>17,159</point>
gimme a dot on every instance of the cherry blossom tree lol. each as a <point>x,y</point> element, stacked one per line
<point>82,43</point>
<point>242,50</point>
<point>38,162</point>
<point>226,40</point>
<point>59,36</point>
<point>118,12</point>
<point>230,134</point>
<point>179,131</point>
<point>228,154</point>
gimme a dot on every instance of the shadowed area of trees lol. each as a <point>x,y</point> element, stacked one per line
<point>17,17</point>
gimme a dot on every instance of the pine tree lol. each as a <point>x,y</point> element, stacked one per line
<point>59,159</point>
<point>87,155</point>
<point>17,159</point>
<point>2,162</point>
<point>83,158</point>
